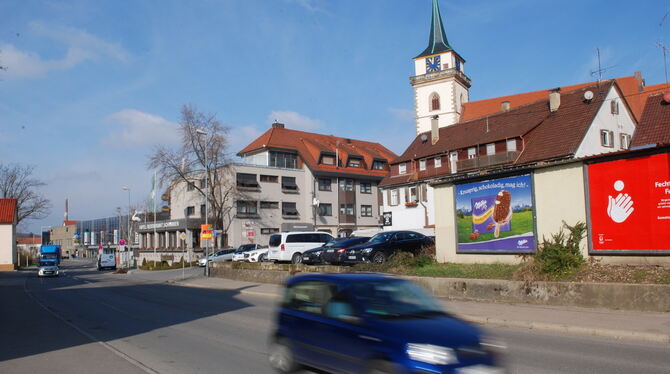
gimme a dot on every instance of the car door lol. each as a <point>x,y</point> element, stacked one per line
<point>414,242</point>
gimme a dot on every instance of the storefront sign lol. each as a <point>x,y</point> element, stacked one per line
<point>496,216</point>
<point>629,205</point>
<point>205,232</point>
<point>159,225</point>
<point>388,218</point>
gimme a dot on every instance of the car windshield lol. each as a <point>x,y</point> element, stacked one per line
<point>246,247</point>
<point>333,243</point>
<point>395,299</point>
<point>382,237</point>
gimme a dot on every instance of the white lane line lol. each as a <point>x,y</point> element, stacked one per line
<point>117,352</point>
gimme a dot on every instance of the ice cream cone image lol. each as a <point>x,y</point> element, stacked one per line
<point>502,212</point>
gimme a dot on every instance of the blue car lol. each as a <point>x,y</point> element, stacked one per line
<point>374,323</point>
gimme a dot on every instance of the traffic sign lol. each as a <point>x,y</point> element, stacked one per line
<point>182,236</point>
<point>122,242</point>
<point>205,232</point>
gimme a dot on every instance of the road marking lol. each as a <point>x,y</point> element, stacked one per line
<point>111,348</point>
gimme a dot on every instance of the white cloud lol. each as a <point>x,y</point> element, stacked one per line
<point>240,136</point>
<point>401,114</point>
<point>81,46</point>
<point>295,120</point>
<point>135,128</point>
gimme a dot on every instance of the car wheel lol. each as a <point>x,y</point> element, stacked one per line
<point>297,258</point>
<point>281,357</point>
<point>381,367</point>
<point>379,258</point>
<point>262,258</point>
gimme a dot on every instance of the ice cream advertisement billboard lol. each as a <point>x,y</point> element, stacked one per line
<point>629,205</point>
<point>496,216</point>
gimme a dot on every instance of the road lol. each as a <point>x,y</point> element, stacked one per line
<point>89,321</point>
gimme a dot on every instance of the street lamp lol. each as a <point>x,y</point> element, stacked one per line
<point>203,132</point>
<point>126,188</point>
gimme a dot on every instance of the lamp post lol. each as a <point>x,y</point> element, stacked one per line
<point>126,188</point>
<point>203,132</point>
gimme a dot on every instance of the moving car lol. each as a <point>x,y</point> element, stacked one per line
<point>365,323</point>
<point>289,246</point>
<point>244,251</point>
<point>335,252</point>
<point>381,246</point>
<point>107,260</point>
<point>48,270</point>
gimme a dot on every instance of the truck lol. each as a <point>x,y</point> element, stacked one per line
<point>50,255</point>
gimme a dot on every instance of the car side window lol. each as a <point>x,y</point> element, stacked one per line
<point>325,238</point>
<point>309,296</point>
<point>413,236</point>
<point>401,236</point>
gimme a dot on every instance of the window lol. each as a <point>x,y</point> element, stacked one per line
<point>309,296</point>
<point>268,231</point>
<point>378,165</point>
<point>347,209</point>
<point>269,178</point>
<point>246,180</point>
<point>614,106</point>
<point>325,184</point>
<point>202,183</point>
<point>325,210</point>
<point>190,186</point>
<point>434,102</point>
<point>288,183</point>
<point>366,210</point>
<point>458,65</point>
<point>354,163</point>
<point>269,205</point>
<point>190,210</point>
<point>438,162</point>
<point>413,194</point>
<point>246,207</point>
<point>289,209</point>
<point>606,138</point>
<point>402,168</point>
<point>203,210</point>
<point>328,160</point>
<point>472,152</point>
<point>284,160</point>
<point>511,145</point>
<point>346,184</point>
<point>422,164</point>
<point>394,197</point>
<point>366,187</point>
<point>624,140</point>
<point>491,149</point>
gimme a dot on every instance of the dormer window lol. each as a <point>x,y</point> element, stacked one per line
<point>402,168</point>
<point>434,102</point>
<point>378,165</point>
<point>354,163</point>
<point>328,160</point>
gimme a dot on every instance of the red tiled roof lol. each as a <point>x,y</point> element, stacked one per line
<point>310,145</point>
<point>69,223</point>
<point>631,87</point>
<point>7,210</point>
<point>36,240</point>
<point>654,127</point>
<point>545,135</point>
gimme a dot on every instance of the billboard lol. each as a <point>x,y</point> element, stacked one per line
<point>629,205</point>
<point>496,216</point>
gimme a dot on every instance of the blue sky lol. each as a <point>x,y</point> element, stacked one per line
<point>92,86</point>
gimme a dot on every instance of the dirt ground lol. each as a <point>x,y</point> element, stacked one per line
<point>621,274</point>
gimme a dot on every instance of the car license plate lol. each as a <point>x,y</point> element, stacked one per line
<point>352,257</point>
<point>480,369</point>
<point>305,257</point>
<point>330,251</point>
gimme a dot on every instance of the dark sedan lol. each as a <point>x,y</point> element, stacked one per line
<point>335,252</point>
<point>316,255</point>
<point>381,246</point>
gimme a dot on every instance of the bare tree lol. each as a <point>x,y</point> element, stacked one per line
<point>17,182</point>
<point>203,149</point>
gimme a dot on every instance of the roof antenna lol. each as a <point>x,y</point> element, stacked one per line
<point>662,46</point>
<point>600,69</point>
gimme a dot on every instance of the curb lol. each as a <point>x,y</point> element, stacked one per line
<point>540,326</point>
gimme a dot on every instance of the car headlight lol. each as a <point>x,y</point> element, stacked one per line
<point>367,250</point>
<point>431,354</point>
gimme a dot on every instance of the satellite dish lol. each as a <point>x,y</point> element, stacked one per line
<point>315,202</point>
<point>666,97</point>
<point>424,138</point>
<point>588,96</point>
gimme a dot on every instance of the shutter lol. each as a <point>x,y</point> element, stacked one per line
<point>407,194</point>
<point>611,135</point>
<point>388,197</point>
<point>424,192</point>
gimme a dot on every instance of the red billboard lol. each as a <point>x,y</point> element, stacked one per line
<point>629,202</point>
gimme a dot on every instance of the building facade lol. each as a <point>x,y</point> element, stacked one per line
<point>8,221</point>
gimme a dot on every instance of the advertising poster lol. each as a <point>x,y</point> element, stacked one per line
<point>496,216</point>
<point>629,205</point>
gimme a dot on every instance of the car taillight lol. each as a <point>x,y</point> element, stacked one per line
<point>282,247</point>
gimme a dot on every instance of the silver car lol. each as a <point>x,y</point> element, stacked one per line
<point>48,271</point>
<point>223,255</point>
<point>249,252</point>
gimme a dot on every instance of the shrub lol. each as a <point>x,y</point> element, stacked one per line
<point>144,262</point>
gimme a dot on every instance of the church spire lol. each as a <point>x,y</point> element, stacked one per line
<point>437,42</point>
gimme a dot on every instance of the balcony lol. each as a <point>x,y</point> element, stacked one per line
<point>487,161</point>
<point>438,75</point>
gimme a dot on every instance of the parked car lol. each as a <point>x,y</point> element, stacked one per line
<point>381,246</point>
<point>220,255</point>
<point>335,252</point>
<point>289,246</point>
<point>364,323</point>
<point>106,260</point>
<point>242,253</point>
<point>313,256</point>
<point>48,270</point>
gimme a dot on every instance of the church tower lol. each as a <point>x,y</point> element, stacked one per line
<point>440,84</point>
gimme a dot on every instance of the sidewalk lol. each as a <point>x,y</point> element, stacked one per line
<point>618,324</point>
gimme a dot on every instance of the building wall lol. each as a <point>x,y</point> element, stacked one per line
<point>62,235</point>
<point>622,123</point>
<point>7,247</point>
<point>411,218</point>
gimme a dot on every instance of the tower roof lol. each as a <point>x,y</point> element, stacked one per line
<point>437,41</point>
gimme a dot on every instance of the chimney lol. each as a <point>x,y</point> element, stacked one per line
<point>554,99</point>
<point>66,209</point>
<point>640,81</point>
<point>434,130</point>
<point>505,106</point>
<point>277,125</point>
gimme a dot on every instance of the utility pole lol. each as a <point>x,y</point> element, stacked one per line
<point>203,132</point>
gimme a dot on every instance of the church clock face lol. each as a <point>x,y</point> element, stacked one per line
<point>432,64</point>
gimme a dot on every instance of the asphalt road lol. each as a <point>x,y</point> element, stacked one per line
<point>88,321</point>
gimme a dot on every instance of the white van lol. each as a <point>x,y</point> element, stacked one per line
<point>289,246</point>
<point>107,260</point>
